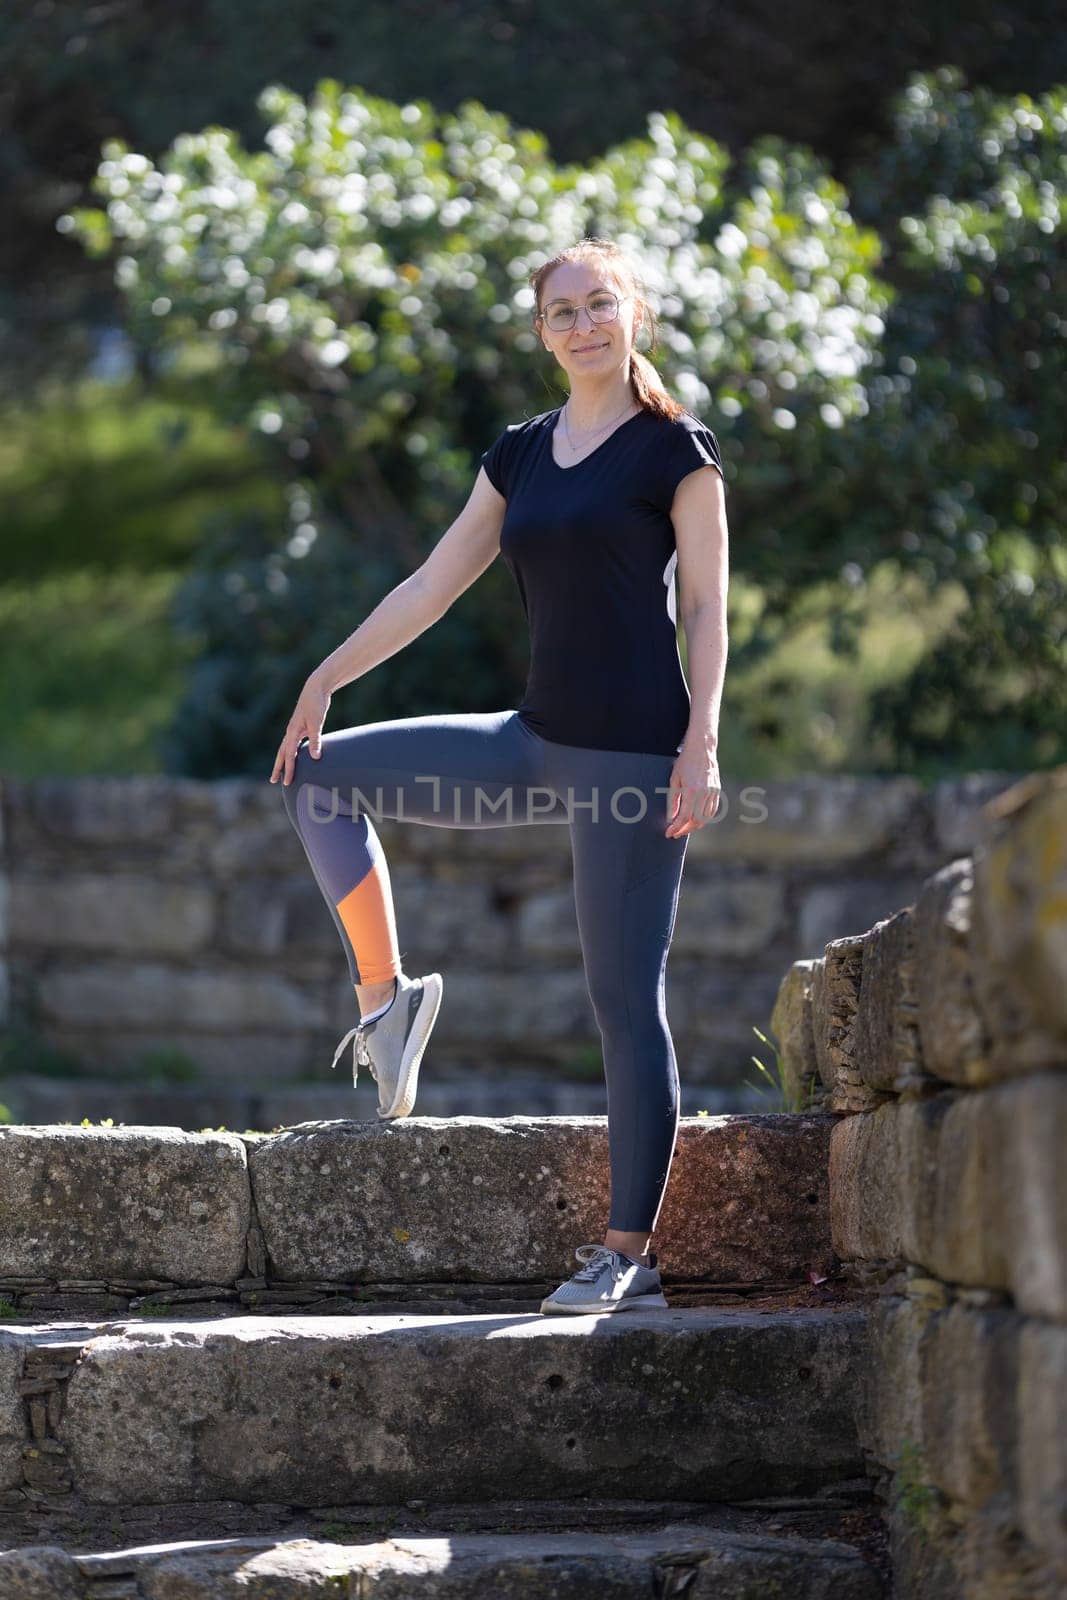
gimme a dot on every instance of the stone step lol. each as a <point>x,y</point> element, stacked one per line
<point>422,1199</point>
<point>709,1404</point>
<point>706,1559</point>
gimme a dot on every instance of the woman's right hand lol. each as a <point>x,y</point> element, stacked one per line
<point>306,722</point>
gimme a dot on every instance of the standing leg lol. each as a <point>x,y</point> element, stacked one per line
<point>627,877</point>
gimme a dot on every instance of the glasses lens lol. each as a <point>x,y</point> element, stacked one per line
<point>601,307</point>
<point>604,308</point>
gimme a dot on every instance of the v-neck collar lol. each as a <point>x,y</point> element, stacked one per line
<point>575,464</point>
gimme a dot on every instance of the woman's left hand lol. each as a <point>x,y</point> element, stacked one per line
<point>695,787</point>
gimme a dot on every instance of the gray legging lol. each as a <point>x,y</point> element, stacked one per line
<point>485,770</point>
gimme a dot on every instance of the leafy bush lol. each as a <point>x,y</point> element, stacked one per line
<point>356,293</point>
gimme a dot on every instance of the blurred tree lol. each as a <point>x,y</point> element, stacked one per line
<point>965,433</point>
<point>73,75</point>
<point>358,293</point>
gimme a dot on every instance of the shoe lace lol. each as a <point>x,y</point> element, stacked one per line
<point>594,1262</point>
<point>360,1053</point>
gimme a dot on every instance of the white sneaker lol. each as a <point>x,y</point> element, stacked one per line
<point>609,1281</point>
<point>392,1045</point>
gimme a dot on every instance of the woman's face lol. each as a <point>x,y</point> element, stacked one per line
<point>588,347</point>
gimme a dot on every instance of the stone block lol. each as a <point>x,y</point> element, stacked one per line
<point>889,1397</point>
<point>834,996</point>
<point>320,1411</point>
<point>13,1434</point>
<point>244,848</point>
<point>526,1009</point>
<point>129,1203</point>
<point>970,1377</point>
<point>1042,1422</point>
<point>244,1059</point>
<point>102,810</point>
<point>505,1199</point>
<point>993,1560</point>
<point>883,1042</point>
<point>1034,1113</point>
<point>728,913</point>
<point>132,994</point>
<point>867,1216</point>
<point>815,819</point>
<point>308,927</point>
<point>1020,925</point>
<point>955,1178</point>
<point>952,1035</point>
<point>970,1184</point>
<point>431,845</point>
<point>44,1572</point>
<point>126,913</point>
<point>445,917</point>
<point>625,1564</point>
<point>547,923</point>
<point>254,917</point>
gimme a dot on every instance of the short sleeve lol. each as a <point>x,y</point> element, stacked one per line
<point>691,445</point>
<point>497,460</point>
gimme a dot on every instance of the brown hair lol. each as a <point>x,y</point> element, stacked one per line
<point>645,381</point>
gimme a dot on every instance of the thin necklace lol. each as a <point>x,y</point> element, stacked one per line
<point>567,431</point>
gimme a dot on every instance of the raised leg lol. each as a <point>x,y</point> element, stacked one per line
<point>459,770</point>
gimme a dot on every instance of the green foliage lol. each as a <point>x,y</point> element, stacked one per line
<point>361,285</point>
<point>966,415</point>
<point>23,1050</point>
<point>787,1096</point>
<point>355,294</point>
<point>92,670</point>
<point>917,1500</point>
<point>585,1063</point>
<point>110,477</point>
<point>162,1065</point>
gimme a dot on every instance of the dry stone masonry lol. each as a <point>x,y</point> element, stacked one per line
<point>940,1035</point>
<point>311,1361</point>
<point>148,914</point>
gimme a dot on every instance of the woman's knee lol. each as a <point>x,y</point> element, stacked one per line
<point>303,764</point>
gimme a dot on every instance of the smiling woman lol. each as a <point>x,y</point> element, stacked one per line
<point>595,506</point>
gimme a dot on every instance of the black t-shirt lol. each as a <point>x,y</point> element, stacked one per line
<point>592,549</point>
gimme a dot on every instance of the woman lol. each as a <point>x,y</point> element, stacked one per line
<point>595,507</point>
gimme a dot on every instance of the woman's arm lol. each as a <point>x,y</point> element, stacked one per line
<point>701,536</point>
<point>699,517</point>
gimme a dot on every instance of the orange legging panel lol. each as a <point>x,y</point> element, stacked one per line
<point>370,922</point>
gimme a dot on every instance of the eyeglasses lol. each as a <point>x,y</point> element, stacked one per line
<point>602,307</point>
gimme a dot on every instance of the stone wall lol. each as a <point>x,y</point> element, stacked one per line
<point>158,913</point>
<point>940,1035</point>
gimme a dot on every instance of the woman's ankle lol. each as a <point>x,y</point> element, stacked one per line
<point>630,1246</point>
<point>372,996</point>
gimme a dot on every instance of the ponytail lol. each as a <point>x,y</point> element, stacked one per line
<point>648,388</point>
